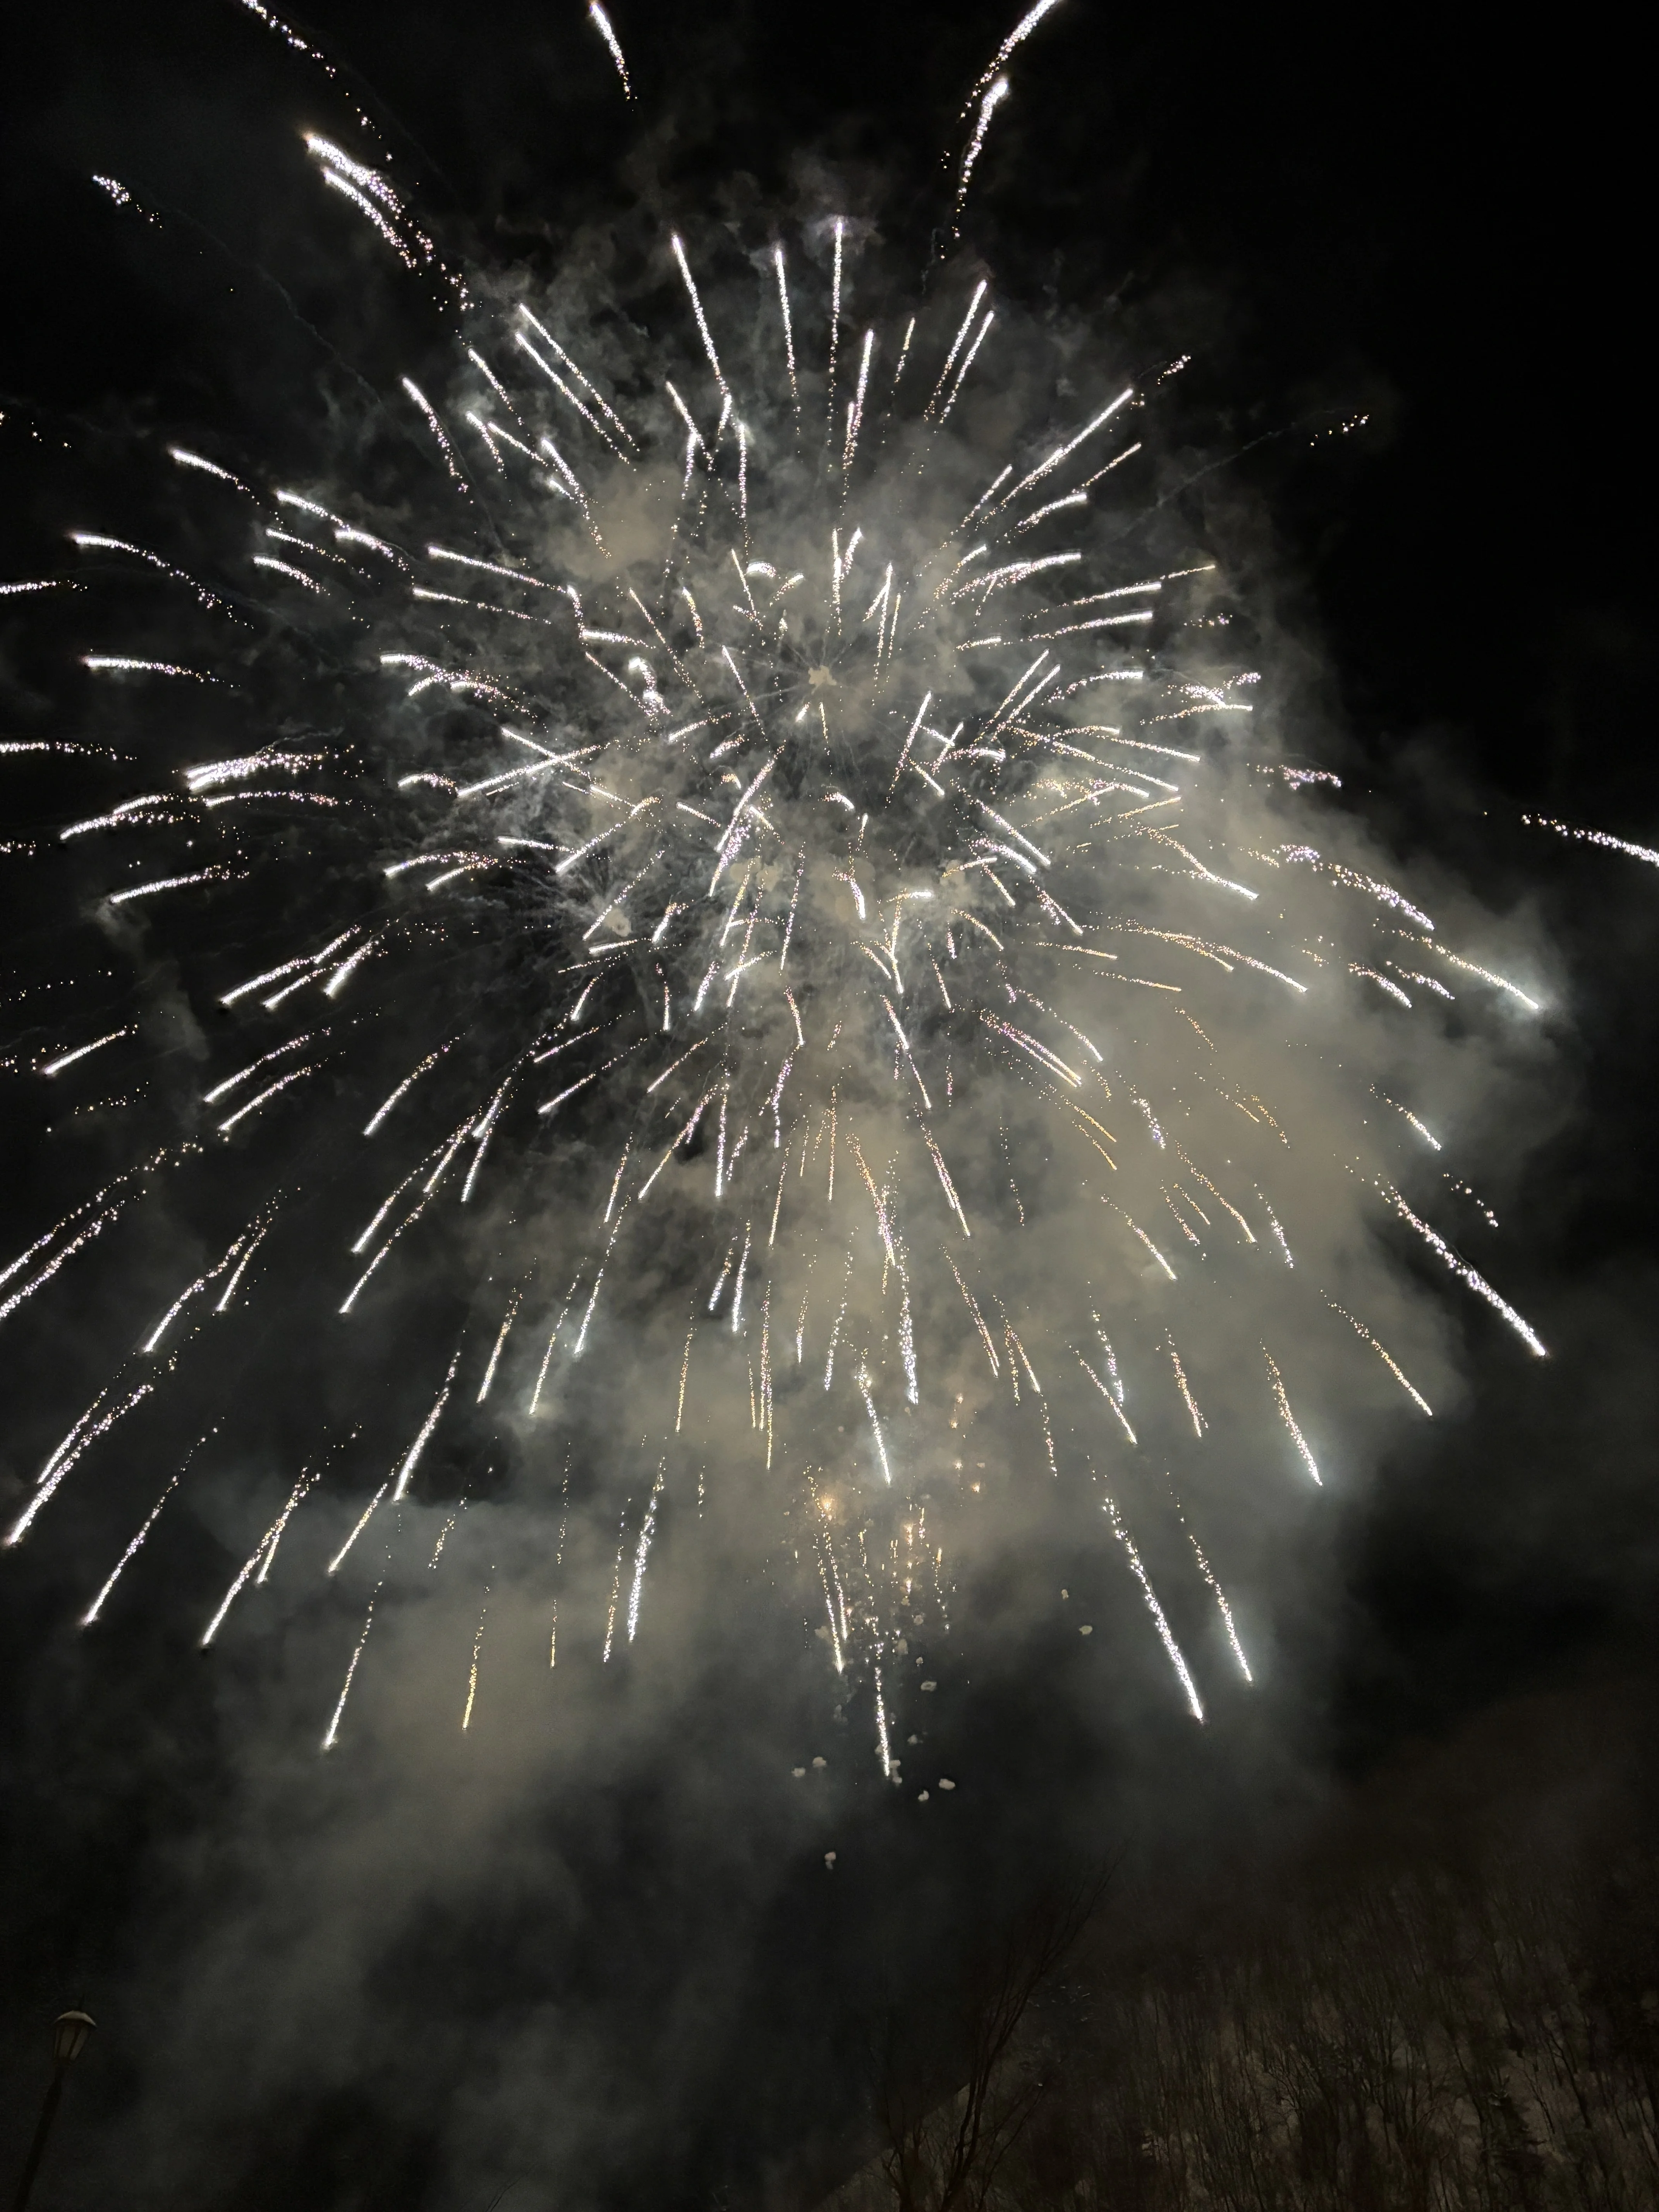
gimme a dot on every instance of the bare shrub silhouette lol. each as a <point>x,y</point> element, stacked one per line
<point>1453,2006</point>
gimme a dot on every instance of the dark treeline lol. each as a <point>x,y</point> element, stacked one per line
<point>1447,2002</point>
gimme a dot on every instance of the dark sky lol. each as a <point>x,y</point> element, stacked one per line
<point>1419,216</point>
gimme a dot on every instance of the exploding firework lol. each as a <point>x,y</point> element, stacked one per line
<point>759,944</point>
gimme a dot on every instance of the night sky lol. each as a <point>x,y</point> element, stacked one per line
<point>1417,218</point>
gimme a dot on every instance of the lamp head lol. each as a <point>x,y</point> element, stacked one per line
<point>69,2031</point>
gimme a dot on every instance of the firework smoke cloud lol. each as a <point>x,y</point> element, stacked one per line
<point>783,1001</point>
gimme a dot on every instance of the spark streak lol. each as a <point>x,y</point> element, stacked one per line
<point>1288,1417</point>
<point>333,1736</point>
<point>1166,1633</point>
<point>1460,1268</point>
<point>127,1557</point>
<point>1393,1368</point>
<point>412,1458</point>
<point>602,22</point>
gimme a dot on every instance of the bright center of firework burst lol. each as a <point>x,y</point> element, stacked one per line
<point>834,961</point>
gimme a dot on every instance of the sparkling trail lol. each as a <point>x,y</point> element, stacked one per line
<point>332,1735</point>
<point>68,1058</point>
<point>367,1515</point>
<point>1022,31</point>
<point>602,22</point>
<point>990,101</point>
<point>266,1548</point>
<point>98,1604</point>
<point>412,1458</point>
<point>507,1320</point>
<point>1182,1384</point>
<point>1460,1268</point>
<point>1110,1396</point>
<point>1166,1634</point>
<point>1469,968</point>
<point>85,1432</point>
<point>788,330</point>
<point>477,1650</point>
<point>956,344</point>
<point>1393,1366</point>
<point>697,309</point>
<point>1226,1611</point>
<point>1594,837</point>
<point>648,1530</point>
<point>1288,1417</point>
<point>835,318</point>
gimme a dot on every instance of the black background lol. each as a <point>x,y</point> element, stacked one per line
<point>1427,217</point>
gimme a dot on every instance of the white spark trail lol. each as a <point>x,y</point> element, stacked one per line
<point>1017,37</point>
<point>702,320</point>
<point>1166,1634</point>
<point>412,1458</point>
<point>788,328</point>
<point>263,1551</point>
<point>1393,1366</point>
<point>602,22</point>
<point>333,1735</point>
<point>68,1058</point>
<point>1460,1268</point>
<point>648,1530</point>
<point>1289,1419</point>
<point>990,101</point>
<point>91,1614</point>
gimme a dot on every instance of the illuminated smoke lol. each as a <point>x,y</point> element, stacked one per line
<point>726,898</point>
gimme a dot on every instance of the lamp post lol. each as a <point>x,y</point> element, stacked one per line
<point>69,2031</point>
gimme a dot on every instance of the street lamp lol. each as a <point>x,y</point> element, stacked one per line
<point>69,2031</point>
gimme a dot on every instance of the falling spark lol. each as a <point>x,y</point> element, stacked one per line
<point>1601,838</point>
<point>1017,37</point>
<point>1398,1373</point>
<point>1279,1233</point>
<point>1288,1417</point>
<point>98,1604</point>
<point>363,1520</point>
<point>648,1530</point>
<point>95,1422</point>
<point>615,1591</point>
<point>477,1650</point>
<point>991,99</point>
<point>402,1090</point>
<point>412,1458</point>
<point>1166,1634</point>
<point>1198,1420</point>
<point>68,1058</point>
<point>602,22</point>
<point>788,328</point>
<point>697,309</point>
<point>1225,1610</point>
<point>875,1425</point>
<point>333,1736</point>
<point>1469,968</point>
<point>508,1319</point>
<point>263,1551</point>
<point>834,316</point>
<point>1476,1281</point>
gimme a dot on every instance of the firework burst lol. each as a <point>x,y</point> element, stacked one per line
<point>755,927</point>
